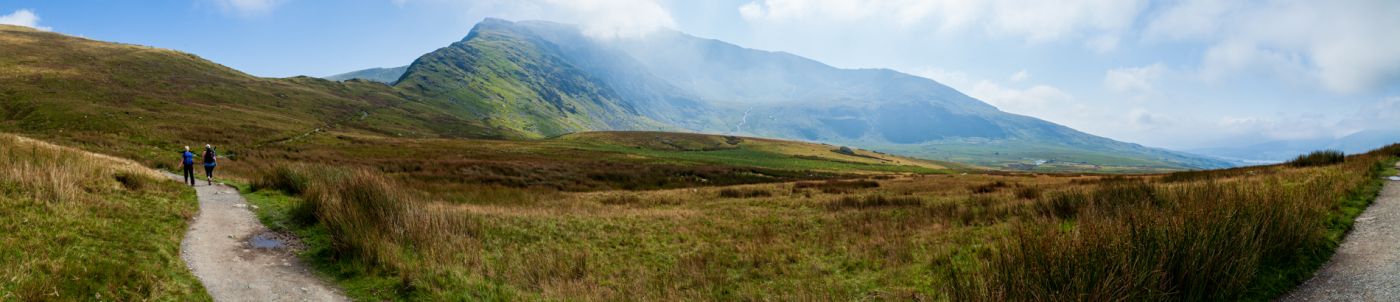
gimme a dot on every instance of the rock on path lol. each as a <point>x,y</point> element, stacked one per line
<point>1367,265</point>
<point>217,249</point>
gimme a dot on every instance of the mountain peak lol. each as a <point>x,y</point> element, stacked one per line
<point>546,78</point>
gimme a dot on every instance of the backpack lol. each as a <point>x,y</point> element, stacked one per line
<point>209,156</point>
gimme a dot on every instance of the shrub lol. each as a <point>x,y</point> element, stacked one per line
<point>1028,193</point>
<point>132,181</point>
<point>1318,158</point>
<point>837,186</point>
<point>286,178</point>
<point>620,199</point>
<point>875,201</point>
<point>1063,205</point>
<point>989,187</point>
<point>845,150</point>
<point>743,193</point>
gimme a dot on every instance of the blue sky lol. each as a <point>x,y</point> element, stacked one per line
<point>1177,74</point>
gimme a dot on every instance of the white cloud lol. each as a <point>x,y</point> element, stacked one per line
<point>1283,127</point>
<point>1347,46</point>
<point>1035,21</point>
<point>1189,19</point>
<point>1033,100</point>
<point>1133,80</point>
<point>25,18</point>
<point>1020,76</point>
<point>248,7</point>
<point>598,18</point>
<point>617,18</point>
<point>1382,114</point>
<point>1232,58</point>
<point>1103,43</point>
<point>1142,119</point>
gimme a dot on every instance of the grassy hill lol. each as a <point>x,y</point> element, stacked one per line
<point>80,226</point>
<point>144,103</point>
<point>139,102</point>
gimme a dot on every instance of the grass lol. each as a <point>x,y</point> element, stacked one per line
<point>80,226</point>
<point>400,200</point>
<point>1249,237</point>
<point>1240,235</point>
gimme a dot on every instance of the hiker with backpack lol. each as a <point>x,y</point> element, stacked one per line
<point>211,160</point>
<point>187,164</point>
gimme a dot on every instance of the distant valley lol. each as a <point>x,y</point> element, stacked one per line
<point>1283,150</point>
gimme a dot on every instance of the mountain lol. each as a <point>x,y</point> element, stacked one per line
<point>547,79</point>
<point>144,103</point>
<point>382,75</point>
<point>1282,150</point>
<point>512,77</point>
<point>133,101</point>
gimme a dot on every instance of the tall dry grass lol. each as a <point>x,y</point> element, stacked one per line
<point>41,171</point>
<point>81,226</point>
<point>1205,239</point>
<point>374,221</point>
<point>1195,236</point>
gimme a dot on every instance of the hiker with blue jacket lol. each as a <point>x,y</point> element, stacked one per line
<point>210,160</point>
<point>187,163</point>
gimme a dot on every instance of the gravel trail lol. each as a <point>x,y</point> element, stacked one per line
<point>1367,265</point>
<point>238,259</point>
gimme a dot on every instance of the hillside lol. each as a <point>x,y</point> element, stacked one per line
<point>136,101</point>
<point>549,79</point>
<point>145,103</point>
<point>510,77</point>
<point>139,102</point>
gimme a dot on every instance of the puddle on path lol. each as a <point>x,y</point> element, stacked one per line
<point>267,240</point>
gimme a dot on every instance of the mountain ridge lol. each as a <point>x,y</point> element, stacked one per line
<point>386,75</point>
<point>549,79</point>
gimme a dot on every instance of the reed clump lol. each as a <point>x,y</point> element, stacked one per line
<point>1209,238</point>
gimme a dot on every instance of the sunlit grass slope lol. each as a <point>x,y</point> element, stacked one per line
<point>76,226</point>
<point>142,102</point>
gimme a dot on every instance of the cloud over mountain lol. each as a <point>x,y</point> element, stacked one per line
<point>23,17</point>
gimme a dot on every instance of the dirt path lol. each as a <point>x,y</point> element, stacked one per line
<point>1367,265</point>
<point>237,259</point>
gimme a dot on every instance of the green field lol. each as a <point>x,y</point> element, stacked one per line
<point>1260,230</point>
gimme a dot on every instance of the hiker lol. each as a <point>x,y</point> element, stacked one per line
<point>187,163</point>
<point>210,160</point>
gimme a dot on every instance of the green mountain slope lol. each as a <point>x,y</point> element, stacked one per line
<point>382,75</point>
<point>548,79</point>
<point>511,78</point>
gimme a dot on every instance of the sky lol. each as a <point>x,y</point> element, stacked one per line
<point>1176,74</point>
